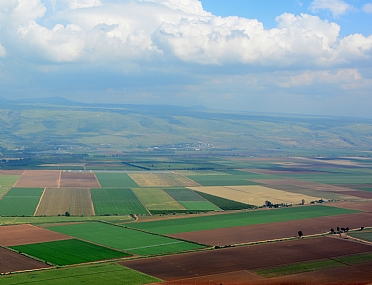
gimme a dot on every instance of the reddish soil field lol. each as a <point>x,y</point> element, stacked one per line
<point>39,178</point>
<point>11,261</point>
<point>223,261</point>
<point>27,234</point>
<point>79,179</point>
<point>361,206</point>
<point>365,185</point>
<point>11,172</point>
<point>279,230</point>
<point>356,193</point>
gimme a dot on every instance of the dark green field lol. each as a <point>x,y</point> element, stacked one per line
<point>71,251</point>
<point>20,202</point>
<point>121,180</point>
<point>238,219</point>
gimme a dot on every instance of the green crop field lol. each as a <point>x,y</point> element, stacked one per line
<point>222,180</point>
<point>332,178</point>
<point>71,251</point>
<point>199,206</point>
<point>113,179</point>
<point>239,219</point>
<point>3,191</point>
<point>20,202</point>
<point>8,180</point>
<point>225,204</point>
<point>112,274</point>
<point>121,238</point>
<point>116,201</point>
<point>156,199</point>
<point>363,235</point>
<point>183,194</point>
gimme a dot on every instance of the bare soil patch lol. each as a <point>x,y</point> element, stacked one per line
<point>76,201</point>
<point>27,234</point>
<point>79,179</point>
<point>361,206</point>
<point>11,261</point>
<point>357,193</point>
<point>39,178</point>
<point>178,267</point>
<point>279,230</point>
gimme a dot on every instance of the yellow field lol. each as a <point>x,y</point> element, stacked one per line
<point>161,179</point>
<point>60,200</point>
<point>255,194</point>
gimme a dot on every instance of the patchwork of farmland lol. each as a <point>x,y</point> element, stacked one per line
<point>237,183</point>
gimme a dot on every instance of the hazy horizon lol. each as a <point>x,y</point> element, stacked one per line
<point>286,57</point>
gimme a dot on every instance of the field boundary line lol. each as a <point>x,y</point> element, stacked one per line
<point>140,201</point>
<point>59,179</point>
<point>100,186</point>
<point>91,203</point>
<point>148,246</point>
<point>38,204</point>
<point>14,185</point>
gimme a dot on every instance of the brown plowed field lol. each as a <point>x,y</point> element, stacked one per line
<point>270,171</point>
<point>361,206</point>
<point>11,172</point>
<point>178,267</point>
<point>356,193</point>
<point>39,178</point>
<point>76,201</point>
<point>79,179</point>
<point>27,234</point>
<point>279,230</point>
<point>11,261</point>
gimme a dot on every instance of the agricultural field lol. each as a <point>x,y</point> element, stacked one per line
<point>156,199</point>
<point>97,274</point>
<point>229,220</point>
<point>191,200</point>
<point>129,240</point>
<point>120,180</point>
<point>39,178</point>
<point>168,179</point>
<point>27,234</point>
<point>71,251</point>
<point>116,201</point>
<point>20,202</point>
<point>255,194</point>
<point>210,216</point>
<point>58,201</point>
<point>78,179</point>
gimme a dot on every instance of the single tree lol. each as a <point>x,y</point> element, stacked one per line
<point>300,234</point>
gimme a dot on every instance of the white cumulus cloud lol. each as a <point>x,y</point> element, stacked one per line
<point>367,8</point>
<point>337,7</point>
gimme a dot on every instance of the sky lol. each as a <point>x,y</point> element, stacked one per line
<point>280,56</point>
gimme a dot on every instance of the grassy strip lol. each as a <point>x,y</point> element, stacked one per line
<point>297,268</point>
<point>66,252</point>
<point>8,180</point>
<point>363,235</point>
<point>112,274</point>
<point>355,258</point>
<point>225,204</point>
<point>173,226</point>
